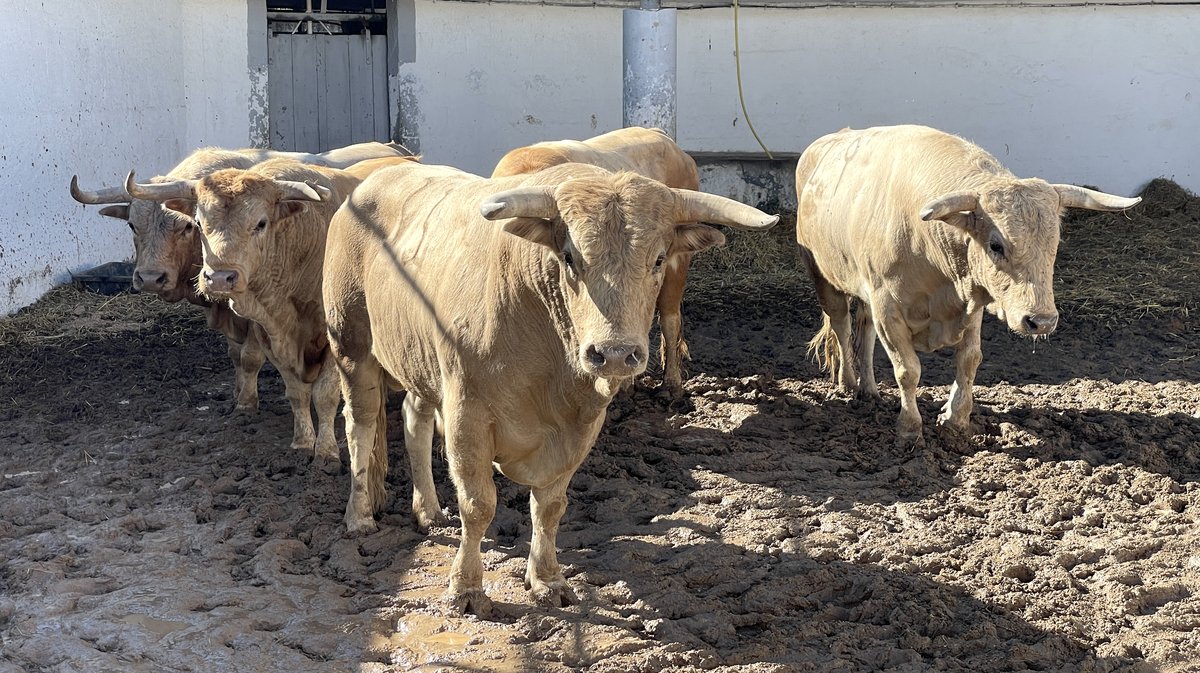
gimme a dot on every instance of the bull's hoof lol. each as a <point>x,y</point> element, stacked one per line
<point>553,594</point>
<point>245,408</point>
<point>472,601</point>
<point>869,395</point>
<point>331,465</point>
<point>304,444</point>
<point>360,525</point>
<point>910,440</point>
<point>947,421</point>
<point>429,518</point>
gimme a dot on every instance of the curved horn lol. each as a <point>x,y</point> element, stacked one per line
<point>161,191</point>
<point>520,202</point>
<point>106,195</point>
<point>302,191</point>
<point>954,202</point>
<point>700,207</point>
<point>1080,197</point>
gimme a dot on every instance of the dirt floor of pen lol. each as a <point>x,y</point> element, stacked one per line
<point>762,524</point>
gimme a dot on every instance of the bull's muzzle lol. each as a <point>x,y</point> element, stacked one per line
<point>220,281</point>
<point>152,280</point>
<point>1038,324</point>
<point>614,359</point>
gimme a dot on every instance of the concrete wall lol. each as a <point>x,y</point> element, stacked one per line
<point>102,88</point>
<point>1100,95</point>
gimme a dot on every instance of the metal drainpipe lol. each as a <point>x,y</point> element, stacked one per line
<point>649,67</point>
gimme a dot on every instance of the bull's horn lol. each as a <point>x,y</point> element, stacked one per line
<point>521,202</point>
<point>701,207</point>
<point>302,191</point>
<point>106,195</point>
<point>161,191</point>
<point>1081,197</point>
<point>954,202</point>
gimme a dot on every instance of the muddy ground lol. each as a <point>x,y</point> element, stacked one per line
<point>762,525</point>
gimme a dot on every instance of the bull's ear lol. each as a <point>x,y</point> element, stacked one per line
<point>958,209</point>
<point>185,206</point>
<point>533,229</point>
<point>286,209</point>
<point>692,237</point>
<point>120,212</point>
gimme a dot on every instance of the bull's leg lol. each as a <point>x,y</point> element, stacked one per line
<point>897,341</point>
<point>670,322</point>
<point>326,396</point>
<point>247,360</point>
<point>366,426</point>
<point>469,449</point>
<point>543,576</point>
<point>299,395</point>
<point>864,353</point>
<point>419,422</point>
<point>967,356</point>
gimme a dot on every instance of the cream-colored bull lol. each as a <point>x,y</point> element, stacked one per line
<point>927,231</point>
<point>263,234</point>
<point>167,254</point>
<point>649,152</point>
<point>518,332</point>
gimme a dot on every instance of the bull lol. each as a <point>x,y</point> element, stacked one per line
<point>927,231</point>
<point>517,334</point>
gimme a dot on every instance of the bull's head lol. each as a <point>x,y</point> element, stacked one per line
<point>236,213</point>
<point>1014,229</point>
<point>607,238</point>
<point>166,247</point>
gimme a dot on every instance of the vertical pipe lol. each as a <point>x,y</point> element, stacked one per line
<point>648,59</point>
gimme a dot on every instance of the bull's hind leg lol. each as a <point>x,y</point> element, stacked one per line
<point>326,395</point>
<point>470,448</point>
<point>670,322</point>
<point>967,356</point>
<point>832,344</point>
<point>366,426</point>
<point>419,422</point>
<point>864,352</point>
<point>543,575</point>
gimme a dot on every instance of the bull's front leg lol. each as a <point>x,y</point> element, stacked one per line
<point>419,423</point>
<point>670,322</point>
<point>956,414</point>
<point>248,360</point>
<point>897,341</point>
<point>543,575</point>
<point>299,395</point>
<point>326,396</point>
<point>469,449</point>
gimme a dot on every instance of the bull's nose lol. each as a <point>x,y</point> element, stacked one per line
<point>614,359</point>
<point>220,280</point>
<point>1040,324</point>
<point>151,280</point>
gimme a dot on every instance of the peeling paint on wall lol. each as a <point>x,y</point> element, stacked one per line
<point>260,123</point>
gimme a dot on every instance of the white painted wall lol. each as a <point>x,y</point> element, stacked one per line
<point>97,89</point>
<point>1101,95</point>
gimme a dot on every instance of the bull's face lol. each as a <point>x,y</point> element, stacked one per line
<point>607,239</point>
<point>238,214</point>
<point>1014,233</point>
<point>166,248</point>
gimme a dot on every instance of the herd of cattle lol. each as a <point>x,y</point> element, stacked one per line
<point>511,309</point>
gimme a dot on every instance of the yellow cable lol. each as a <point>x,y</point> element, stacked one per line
<point>737,62</point>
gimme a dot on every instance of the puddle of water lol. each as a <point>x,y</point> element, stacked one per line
<point>161,627</point>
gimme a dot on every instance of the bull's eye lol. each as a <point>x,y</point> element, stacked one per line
<point>659,262</point>
<point>569,260</point>
<point>997,248</point>
<point>262,224</point>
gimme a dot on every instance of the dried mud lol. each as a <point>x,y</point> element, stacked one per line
<point>761,525</point>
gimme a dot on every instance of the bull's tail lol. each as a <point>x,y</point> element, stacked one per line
<point>824,349</point>
<point>377,469</point>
